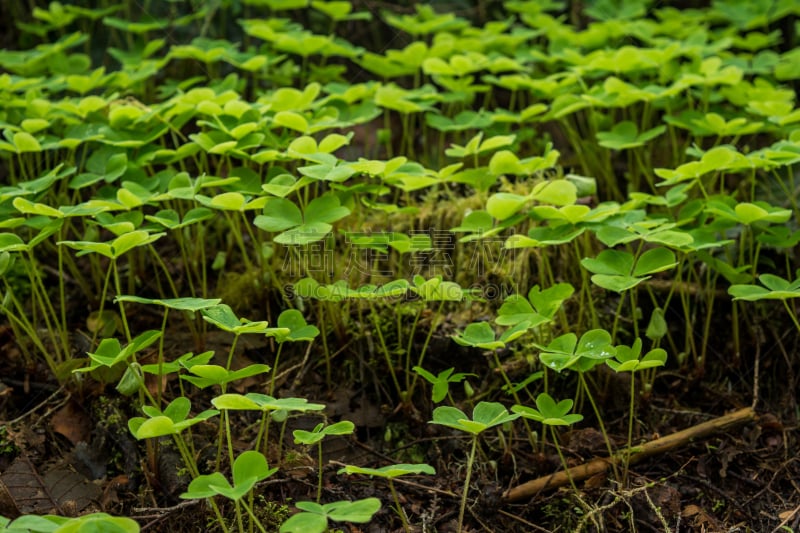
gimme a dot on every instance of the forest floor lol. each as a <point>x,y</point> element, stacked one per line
<point>68,449</point>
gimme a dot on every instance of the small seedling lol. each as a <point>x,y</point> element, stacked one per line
<point>248,469</point>
<point>389,473</point>
<point>484,416</point>
<point>107,361</point>
<point>630,359</point>
<point>567,351</point>
<point>51,523</point>
<point>549,412</point>
<point>268,405</point>
<point>299,330</point>
<point>481,335</point>
<point>315,436</point>
<point>441,382</point>
<point>314,517</point>
<point>774,288</point>
<point>171,421</point>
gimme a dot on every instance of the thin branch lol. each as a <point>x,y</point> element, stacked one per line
<point>637,453</point>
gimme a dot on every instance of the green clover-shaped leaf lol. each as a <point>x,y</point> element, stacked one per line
<point>248,469</point>
<point>484,416</point>
<point>549,412</point>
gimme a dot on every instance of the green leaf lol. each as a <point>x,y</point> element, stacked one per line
<point>548,301</point>
<point>391,471</point>
<point>222,316</point>
<point>549,412</point>
<point>503,205</point>
<point>326,208</point>
<point>479,335</point>
<point>320,431</point>
<point>11,242</point>
<point>657,327</point>
<point>614,270</point>
<point>610,262</point>
<point>261,402</point>
<point>291,120</point>
<point>567,351</point>
<point>89,523</point>
<point>249,468</point>
<point>279,214</point>
<point>775,288</point>
<point>207,375</point>
<point>627,358</point>
<point>485,415</point>
<point>305,523</point>
<point>299,330</point>
<point>27,207</point>
<point>159,425</point>
<point>227,201</point>
<point>187,360</point>
<point>314,517</point>
<point>653,261</point>
<point>304,234</point>
<point>625,135</point>
<point>359,511</point>
<point>25,142</point>
<point>556,192</point>
<point>440,382</point>
<point>204,486</point>
<point>516,309</point>
<point>134,239</point>
<point>182,304</point>
<point>505,162</point>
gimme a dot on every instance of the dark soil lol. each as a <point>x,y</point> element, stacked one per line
<point>73,440</point>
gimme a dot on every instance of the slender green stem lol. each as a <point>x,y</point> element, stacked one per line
<point>217,512</point>
<point>19,319</point>
<point>513,393</point>
<point>792,314</point>
<point>261,429</point>
<point>188,458</point>
<point>230,356</point>
<point>632,293</point>
<point>630,429</point>
<point>319,481</point>
<point>280,440</point>
<point>590,397</point>
<point>399,509</point>
<point>275,369</point>
<point>226,417</point>
<point>411,345</point>
<point>563,459</point>
<point>415,376</point>
<point>118,287</point>
<point>239,520</point>
<point>253,518</point>
<point>385,349</point>
<point>62,292</point>
<point>466,483</point>
<point>324,334</point>
<point>39,294</point>
<point>161,357</point>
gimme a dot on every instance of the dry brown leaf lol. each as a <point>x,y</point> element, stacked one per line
<point>61,490</point>
<point>691,510</point>
<point>72,422</point>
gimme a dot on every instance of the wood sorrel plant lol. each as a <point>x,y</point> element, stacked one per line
<point>212,146</point>
<point>316,435</point>
<point>389,473</point>
<point>484,416</point>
